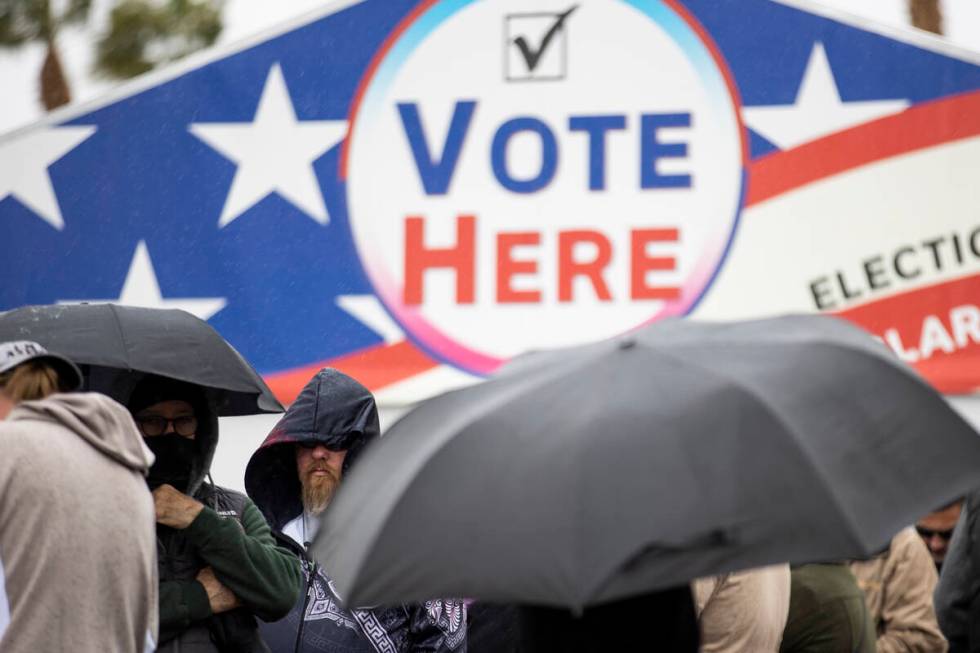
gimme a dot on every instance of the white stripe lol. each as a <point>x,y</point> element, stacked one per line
<point>407,392</point>
<point>4,604</point>
<point>149,646</point>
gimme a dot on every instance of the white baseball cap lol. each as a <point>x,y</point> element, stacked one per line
<point>18,352</point>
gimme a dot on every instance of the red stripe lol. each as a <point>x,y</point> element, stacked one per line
<point>950,372</point>
<point>375,367</point>
<point>924,125</point>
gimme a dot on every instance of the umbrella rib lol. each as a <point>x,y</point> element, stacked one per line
<point>122,335</point>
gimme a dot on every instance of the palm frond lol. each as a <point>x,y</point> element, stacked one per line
<point>76,11</point>
<point>18,21</point>
<point>143,34</point>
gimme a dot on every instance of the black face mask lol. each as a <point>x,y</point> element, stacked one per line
<point>174,460</point>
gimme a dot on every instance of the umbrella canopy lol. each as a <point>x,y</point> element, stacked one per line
<point>584,475</point>
<point>112,342</point>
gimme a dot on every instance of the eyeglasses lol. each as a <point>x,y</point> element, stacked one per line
<point>928,533</point>
<point>153,425</point>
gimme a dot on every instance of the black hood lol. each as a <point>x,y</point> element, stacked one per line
<point>333,409</point>
<point>152,389</point>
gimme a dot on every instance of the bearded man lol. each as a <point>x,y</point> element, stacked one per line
<point>292,478</point>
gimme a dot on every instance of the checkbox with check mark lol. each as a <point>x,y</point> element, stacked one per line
<point>536,46</point>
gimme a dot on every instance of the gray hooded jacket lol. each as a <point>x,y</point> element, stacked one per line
<point>77,533</point>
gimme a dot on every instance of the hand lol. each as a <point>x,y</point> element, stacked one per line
<point>220,597</point>
<point>174,508</point>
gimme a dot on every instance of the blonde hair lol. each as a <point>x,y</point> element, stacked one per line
<point>29,381</point>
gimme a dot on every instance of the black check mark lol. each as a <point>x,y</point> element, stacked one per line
<point>531,56</point>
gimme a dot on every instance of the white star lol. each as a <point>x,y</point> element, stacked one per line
<point>275,153</point>
<point>24,162</point>
<point>142,289</point>
<point>818,110</point>
<point>368,310</point>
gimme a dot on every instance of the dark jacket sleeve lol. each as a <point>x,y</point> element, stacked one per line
<point>245,558</point>
<point>957,597</point>
<point>182,602</point>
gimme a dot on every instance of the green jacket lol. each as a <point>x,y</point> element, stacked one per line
<point>229,535</point>
<point>827,612</point>
<point>234,539</point>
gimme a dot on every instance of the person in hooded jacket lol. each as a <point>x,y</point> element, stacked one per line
<point>219,565</point>
<point>291,477</point>
<point>957,596</point>
<point>77,553</point>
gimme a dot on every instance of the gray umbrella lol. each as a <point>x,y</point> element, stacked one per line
<point>116,345</point>
<point>593,473</point>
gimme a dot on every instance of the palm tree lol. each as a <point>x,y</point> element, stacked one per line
<point>145,33</point>
<point>24,21</point>
<point>927,15</point>
<point>142,34</point>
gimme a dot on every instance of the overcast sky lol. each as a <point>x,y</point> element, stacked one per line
<point>19,68</point>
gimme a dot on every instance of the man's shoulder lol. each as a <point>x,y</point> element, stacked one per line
<point>822,583</point>
<point>227,502</point>
<point>23,438</point>
<point>229,493</point>
<point>23,450</point>
<point>26,425</point>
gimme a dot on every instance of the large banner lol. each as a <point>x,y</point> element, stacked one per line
<point>414,192</point>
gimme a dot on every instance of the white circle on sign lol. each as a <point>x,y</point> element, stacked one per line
<point>525,178</point>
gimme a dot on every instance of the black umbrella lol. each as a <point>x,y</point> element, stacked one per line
<point>585,475</point>
<point>116,345</point>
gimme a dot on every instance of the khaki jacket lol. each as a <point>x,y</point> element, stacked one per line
<point>898,587</point>
<point>744,611</point>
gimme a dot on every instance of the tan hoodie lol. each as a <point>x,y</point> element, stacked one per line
<point>898,587</point>
<point>77,530</point>
<point>743,612</point>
